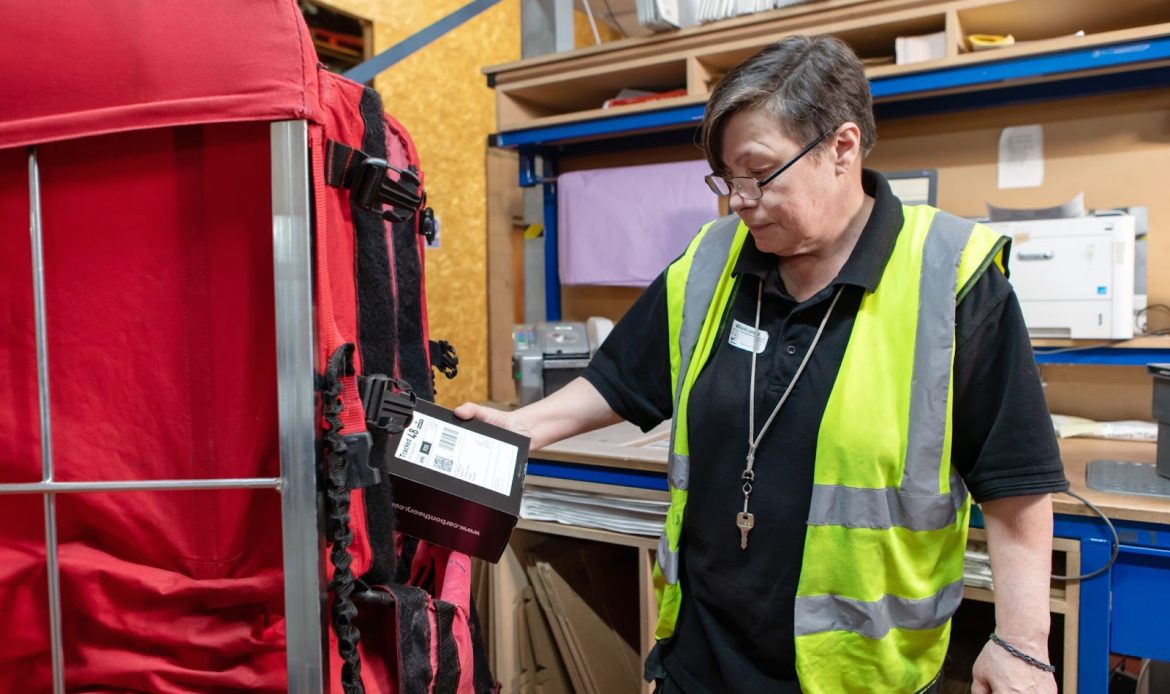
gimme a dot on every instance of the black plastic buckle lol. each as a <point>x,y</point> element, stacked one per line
<point>444,358</point>
<point>372,188</point>
<point>428,226</point>
<point>367,183</point>
<point>359,474</point>
<point>389,402</point>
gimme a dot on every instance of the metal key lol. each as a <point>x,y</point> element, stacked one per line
<point>745,521</point>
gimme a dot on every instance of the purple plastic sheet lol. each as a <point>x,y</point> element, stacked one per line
<point>622,226</point>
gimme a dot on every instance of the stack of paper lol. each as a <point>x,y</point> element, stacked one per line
<point>659,15</point>
<point>619,514</point>
<point>919,49</point>
<point>977,566</point>
<point>714,10</point>
<point>1125,430</point>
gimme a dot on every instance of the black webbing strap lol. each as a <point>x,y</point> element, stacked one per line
<point>408,548</point>
<point>413,348</point>
<point>483,682</point>
<point>376,338</point>
<point>414,639</point>
<point>447,670</point>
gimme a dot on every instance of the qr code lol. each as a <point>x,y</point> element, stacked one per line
<point>444,464</point>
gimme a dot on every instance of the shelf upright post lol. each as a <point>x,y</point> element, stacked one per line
<point>552,280</point>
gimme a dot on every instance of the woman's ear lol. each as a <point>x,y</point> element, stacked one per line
<point>846,147</point>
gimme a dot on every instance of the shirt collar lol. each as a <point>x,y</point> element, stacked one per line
<point>869,257</point>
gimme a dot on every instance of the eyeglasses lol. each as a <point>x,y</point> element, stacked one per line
<point>750,188</point>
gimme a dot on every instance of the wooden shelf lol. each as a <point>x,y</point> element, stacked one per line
<point>584,533</point>
<point>570,87</point>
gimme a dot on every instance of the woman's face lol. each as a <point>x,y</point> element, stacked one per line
<point>794,214</point>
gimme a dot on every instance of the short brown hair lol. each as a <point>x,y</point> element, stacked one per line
<point>810,84</point>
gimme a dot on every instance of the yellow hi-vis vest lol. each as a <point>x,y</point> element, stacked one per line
<point>882,571</point>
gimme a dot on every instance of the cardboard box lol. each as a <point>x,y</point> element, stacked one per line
<point>457,483</point>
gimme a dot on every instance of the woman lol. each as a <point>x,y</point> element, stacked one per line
<point>840,370</point>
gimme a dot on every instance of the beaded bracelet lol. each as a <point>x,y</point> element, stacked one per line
<point>1021,655</point>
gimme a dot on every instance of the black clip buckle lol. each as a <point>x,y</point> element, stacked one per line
<point>359,473</point>
<point>389,402</point>
<point>444,358</point>
<point>428,226</point>
<point>373,188</point>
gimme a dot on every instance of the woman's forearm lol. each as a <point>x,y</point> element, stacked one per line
<point>574,409</point>
<point>1019,540</point>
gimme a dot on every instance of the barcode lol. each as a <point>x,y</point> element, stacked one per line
<point>448,439</point>
<point>444,464</point>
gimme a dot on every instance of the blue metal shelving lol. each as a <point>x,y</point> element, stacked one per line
<point>1112,356</point>
<point>597,474</point>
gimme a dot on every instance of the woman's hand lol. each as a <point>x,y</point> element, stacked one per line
<point>499,418</point>
<point>999,672</point>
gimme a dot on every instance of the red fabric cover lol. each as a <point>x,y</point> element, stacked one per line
<point>75,69</point>
<point>453,579</point>
<point>159,301</point>
<point>24,631</point>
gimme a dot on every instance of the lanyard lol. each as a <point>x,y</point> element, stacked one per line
<point>745,520</point>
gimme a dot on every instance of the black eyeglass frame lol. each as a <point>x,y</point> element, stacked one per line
<point>711,178</point>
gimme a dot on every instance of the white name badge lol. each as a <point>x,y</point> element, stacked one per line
<point>743,336</point>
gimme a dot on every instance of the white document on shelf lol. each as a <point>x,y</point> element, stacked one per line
<point>618,514</point>
<point>1021,157</point>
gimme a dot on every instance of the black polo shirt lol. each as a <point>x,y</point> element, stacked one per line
<point>736,620</point>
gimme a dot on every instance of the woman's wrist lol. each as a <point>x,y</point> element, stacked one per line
<point>1031,654</point>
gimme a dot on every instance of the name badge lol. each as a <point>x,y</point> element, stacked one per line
<point>744,337</point>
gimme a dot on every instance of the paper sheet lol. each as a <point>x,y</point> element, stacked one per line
<point>458,452</point>
<point>1021,157</point>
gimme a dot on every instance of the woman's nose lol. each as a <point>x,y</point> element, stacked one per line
<point>738,202</point>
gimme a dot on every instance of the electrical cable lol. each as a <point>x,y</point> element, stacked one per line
<point>592,22</point>
<point>1116,548</point>
<point>1142,675</point>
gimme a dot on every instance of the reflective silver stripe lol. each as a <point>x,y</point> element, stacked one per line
<point>880,509</point>
<point>820,613</point>
<point>703,278</point>
<point>667,560</point>
<point>679,470</point>
<point>933,346</point>
<point>678,467</point>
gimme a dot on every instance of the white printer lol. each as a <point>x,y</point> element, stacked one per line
<point>1074,277</point>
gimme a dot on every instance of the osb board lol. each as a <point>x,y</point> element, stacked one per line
<point>1115,149</point>
<point>440,96</point>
